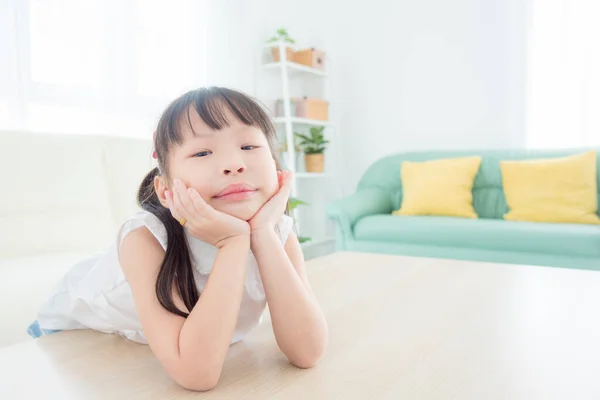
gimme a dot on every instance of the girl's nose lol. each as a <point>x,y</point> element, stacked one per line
<point>234,171</point>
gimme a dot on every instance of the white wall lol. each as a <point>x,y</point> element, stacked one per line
<point>431,74</point>
<point>408,75</point>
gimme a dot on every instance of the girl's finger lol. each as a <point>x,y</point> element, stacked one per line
<point>287,180</point>
<point>169,201</point>
<point>171,204</point>
<point>184,199</point>
<point>178,210</point>
<point>286,186</point>
<point>197,200</point>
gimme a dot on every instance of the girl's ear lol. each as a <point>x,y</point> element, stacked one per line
<point>160,186</point>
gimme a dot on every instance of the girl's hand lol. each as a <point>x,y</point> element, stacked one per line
<point>267,217</point>
<point>203,221</point>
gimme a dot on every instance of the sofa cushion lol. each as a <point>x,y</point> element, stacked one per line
<point>55,196</point>
<point>552,190</point>
<point>561,239</point>
<point>425,182</point>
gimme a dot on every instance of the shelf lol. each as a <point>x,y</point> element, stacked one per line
<point>270,45</point>
<point>296,67</point>
<point>303,121</point>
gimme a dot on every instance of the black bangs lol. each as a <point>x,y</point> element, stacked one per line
<point>211,104</point>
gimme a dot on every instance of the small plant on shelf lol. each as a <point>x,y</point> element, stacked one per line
<point>313,145</point>
<point>292,204</point>
<point>281,35</point>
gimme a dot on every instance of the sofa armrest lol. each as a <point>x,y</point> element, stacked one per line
<point>347,211</point>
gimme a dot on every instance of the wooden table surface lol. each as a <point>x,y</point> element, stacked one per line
<point>400,328</point>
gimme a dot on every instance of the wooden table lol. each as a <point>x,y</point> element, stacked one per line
<point>400,328</point>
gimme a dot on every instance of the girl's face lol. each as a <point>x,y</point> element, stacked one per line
<point>232,169</point>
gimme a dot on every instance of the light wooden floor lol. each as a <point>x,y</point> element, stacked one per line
<point>400,328</point>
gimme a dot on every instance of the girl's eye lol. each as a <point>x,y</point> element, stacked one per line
<point>249,147</point>
<point>202,154</point>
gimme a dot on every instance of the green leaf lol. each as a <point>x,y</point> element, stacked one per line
<point>304,239</point>
<point>281,34</point>
<point>305,138</point>
<point>294,202</point>
<point>317,130</point>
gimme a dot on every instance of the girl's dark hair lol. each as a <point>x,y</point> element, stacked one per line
<point>211,104</point>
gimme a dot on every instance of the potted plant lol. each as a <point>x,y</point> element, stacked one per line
<point>313,145</point>
<point>293,203</point>
<point>281,35</point>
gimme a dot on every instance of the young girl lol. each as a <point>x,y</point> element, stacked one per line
<point>192,273</point>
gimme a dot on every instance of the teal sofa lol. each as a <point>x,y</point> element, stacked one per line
<point>364,222</point>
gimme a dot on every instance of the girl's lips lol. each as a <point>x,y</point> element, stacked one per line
<point>241,195</point>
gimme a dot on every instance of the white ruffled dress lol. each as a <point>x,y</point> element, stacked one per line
<point>94,294</point>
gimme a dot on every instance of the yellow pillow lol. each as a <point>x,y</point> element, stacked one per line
<point>552,190</point>
<point>439,187</point>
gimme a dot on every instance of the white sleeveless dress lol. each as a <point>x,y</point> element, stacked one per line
<point>94,294</point>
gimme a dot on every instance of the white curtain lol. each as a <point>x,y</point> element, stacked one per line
<point>97,66</point>
<point>564,74</point>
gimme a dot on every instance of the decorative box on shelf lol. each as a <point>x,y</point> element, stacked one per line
<point>310,108</point>
<point>289,54</point>
<point>311,58</point>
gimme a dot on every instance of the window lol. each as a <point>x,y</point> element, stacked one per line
<point>68,46</point>
<point>97,66</point>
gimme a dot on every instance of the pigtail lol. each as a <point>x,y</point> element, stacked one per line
<point>176,269</point>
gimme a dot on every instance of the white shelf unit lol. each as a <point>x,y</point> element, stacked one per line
<point>294,67</point>
<point>288,70</point>
<point>304,121</point>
